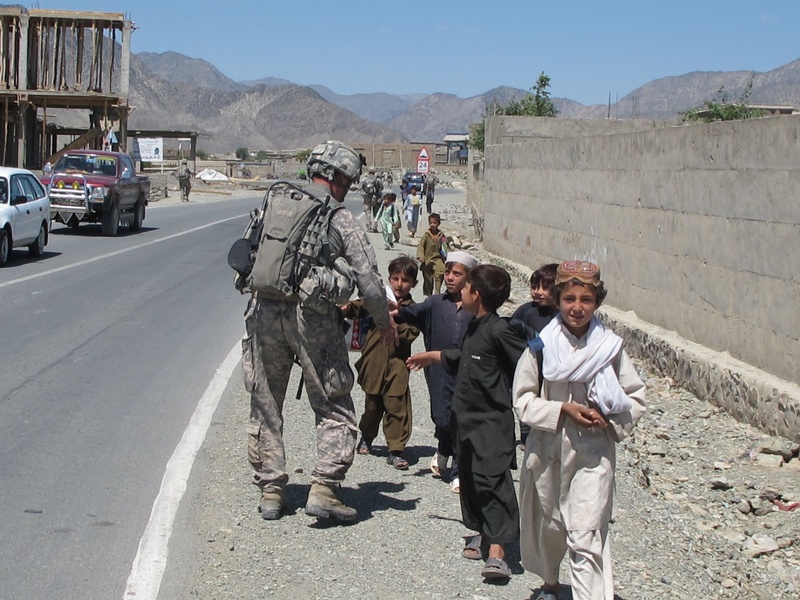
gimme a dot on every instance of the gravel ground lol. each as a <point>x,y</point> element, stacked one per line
<point>695,516</point>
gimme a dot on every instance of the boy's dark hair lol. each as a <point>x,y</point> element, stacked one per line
<point>600,290</point>
<point>546,275</point>
<point>435,216</point>
<point>493,283</point>
<point>391,195</point>
<point>405,265</point>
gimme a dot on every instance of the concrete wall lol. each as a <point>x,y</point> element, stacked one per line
<point>696,228</point>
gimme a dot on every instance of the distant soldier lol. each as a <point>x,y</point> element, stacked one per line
<point>184,176</point>
<point>430,189</point>
<point>371,190</point>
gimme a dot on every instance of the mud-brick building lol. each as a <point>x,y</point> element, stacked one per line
<point>61,60</point>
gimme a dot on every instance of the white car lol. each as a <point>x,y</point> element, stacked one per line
<point>24,213</point>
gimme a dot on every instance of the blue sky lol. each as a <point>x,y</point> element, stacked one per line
<point>588,48</point>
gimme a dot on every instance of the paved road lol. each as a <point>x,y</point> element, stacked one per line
<point>107,345</point>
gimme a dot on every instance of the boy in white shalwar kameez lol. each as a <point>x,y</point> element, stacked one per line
<point>590,399</point>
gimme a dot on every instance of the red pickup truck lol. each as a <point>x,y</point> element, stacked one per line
<point>97,187</point>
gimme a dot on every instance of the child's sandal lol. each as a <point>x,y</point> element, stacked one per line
<point>397,461</point>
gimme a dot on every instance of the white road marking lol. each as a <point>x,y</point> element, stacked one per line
<point>115,253</point>
<point>148,567</point>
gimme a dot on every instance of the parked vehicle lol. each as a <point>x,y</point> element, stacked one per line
<point>415,179</point>
<point>97,187</point>
<point>24,213</point>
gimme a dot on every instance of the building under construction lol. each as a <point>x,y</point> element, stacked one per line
<point>51,60</point>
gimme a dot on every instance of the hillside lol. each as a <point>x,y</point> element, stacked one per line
<point>261,117</point>
<point>272,113</point>
<point>178,68</point>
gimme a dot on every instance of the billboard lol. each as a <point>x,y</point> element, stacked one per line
<point>148,149</point>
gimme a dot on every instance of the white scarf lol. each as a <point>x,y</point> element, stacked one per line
<point>591,365</point>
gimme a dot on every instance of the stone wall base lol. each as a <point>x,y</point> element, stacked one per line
<point>747,393</point>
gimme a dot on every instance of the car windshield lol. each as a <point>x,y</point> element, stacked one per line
<point>90,164</point>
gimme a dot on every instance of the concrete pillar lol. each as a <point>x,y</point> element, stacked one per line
<point>22,128</point>
<point>125,64</point>
<point>22,57</point>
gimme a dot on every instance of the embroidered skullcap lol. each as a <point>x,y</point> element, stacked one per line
<point>462,257</point>
<point>585,272</point>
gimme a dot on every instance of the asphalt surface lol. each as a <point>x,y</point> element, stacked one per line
<point>107,345</point>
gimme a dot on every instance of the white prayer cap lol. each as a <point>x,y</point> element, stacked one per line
<point>462,257</point>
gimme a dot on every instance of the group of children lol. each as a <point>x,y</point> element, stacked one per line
<point>553,364</point>
<point>388,218</point>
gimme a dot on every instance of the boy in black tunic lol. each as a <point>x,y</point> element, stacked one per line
<point>482,416</point>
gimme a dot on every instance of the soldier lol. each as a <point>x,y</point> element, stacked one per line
<point>430,190</point>
<point>184,176</point>
<point>371,190</point>
<point>278,330</point>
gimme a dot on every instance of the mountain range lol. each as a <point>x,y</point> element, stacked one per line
<point>173,91</point>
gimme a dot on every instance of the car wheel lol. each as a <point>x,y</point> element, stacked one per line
<point>138,216</point>
<point>5,247</point>
<point>110,223</point>
<point>37,247</point>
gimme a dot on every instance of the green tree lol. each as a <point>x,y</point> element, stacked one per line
<point>201,154</point>
<point>302,156</point>
<point>262,155</point>
<point>536,103</point>
<point>477,131</point>
<point>720,109</point>
<point>242,153</point>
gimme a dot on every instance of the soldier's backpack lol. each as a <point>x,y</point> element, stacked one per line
<point>369,187</point>
<point>183,172</point>
<point>291,239</point>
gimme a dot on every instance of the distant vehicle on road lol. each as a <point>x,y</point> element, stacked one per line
<point>24,213</point>
<point>415,179</point>
<point>97,187</point>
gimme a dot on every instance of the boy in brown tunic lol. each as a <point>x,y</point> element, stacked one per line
<point>431,251</point>
<point>382,372</point>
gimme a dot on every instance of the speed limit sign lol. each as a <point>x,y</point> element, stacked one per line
<point>422,166</point>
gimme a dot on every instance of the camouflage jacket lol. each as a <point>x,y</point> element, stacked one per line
<point>348,239</point>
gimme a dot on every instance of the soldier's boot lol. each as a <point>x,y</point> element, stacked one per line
<point>323,502</point>
<point>271,505</point>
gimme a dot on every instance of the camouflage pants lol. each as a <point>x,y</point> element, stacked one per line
<point>369,213</point>
<point>277,331</point>
<point>186,187</point>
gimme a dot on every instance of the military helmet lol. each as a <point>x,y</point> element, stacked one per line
<point>333,156</point>
<point>183,161</point>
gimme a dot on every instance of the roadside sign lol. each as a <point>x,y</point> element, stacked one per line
<point>423,161</point>
<point>149,149</point>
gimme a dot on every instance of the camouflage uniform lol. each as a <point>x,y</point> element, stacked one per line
<point>279,330</point>
<point>184,180</point>
<point>371,189</point>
